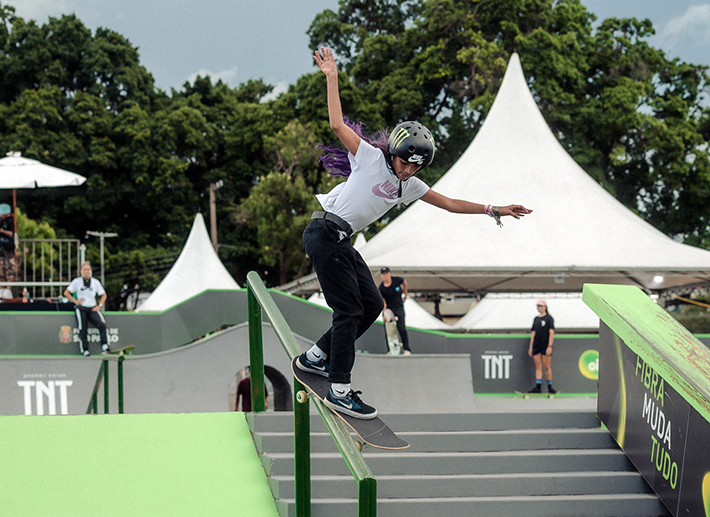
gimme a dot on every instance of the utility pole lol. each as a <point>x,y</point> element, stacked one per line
<point>214,187</point>
<point>102,235</point>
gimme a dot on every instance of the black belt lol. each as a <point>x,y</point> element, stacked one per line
<point>342,224</point>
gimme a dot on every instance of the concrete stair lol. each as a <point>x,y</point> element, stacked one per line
<point>548,463</point>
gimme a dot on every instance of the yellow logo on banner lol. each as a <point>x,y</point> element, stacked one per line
<point>589,364</point>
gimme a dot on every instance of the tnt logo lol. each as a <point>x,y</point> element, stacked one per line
<point>589,364</point>
<point>496,365</point>
<point>48,393</point>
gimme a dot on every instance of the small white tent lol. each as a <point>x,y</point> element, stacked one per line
<point>197,269</point>
<point>514,312</point>
<point>577,233</point>
<point>414,314</point>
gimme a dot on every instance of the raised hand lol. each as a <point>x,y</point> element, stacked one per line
<point>326,61</point>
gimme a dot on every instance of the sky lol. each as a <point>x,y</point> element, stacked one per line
<point>238,40</point>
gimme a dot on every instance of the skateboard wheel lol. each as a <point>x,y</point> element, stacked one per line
<point>359,445</point>
<point>302,397</point>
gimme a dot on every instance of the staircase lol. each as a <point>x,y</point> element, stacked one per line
<point>482,464</point>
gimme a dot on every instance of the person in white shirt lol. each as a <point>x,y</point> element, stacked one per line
<point>82,292</point>
<point>380,174</point>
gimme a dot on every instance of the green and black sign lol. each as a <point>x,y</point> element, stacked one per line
<point>652,396</point>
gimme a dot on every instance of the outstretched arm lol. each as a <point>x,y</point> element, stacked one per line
<point>347,136</point>
<point>460,206</point>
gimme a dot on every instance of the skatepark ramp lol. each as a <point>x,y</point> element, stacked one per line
<point>491,463</point>
<point>131,465</point>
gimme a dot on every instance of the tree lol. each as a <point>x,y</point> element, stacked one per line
<point>629,115</point>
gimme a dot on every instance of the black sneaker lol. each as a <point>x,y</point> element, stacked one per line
<point>350,404</point>
<point>536,389</point>
<point>319,368</point>
<point>551,390</point>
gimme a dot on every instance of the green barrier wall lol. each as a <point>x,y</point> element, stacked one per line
<point>654,395</point>
<point>131,465</point>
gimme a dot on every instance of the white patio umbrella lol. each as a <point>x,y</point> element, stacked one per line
<point>18,172</point>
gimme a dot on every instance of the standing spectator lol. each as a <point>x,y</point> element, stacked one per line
<point>82,292</point>
<point>541,339</point>
<point>394,292</point>
<point>244,392</point>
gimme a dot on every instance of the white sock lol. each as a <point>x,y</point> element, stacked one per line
<point>315,354</point>
<point>340,390</point>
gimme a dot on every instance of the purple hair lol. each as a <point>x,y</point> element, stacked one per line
<point>335,160</point>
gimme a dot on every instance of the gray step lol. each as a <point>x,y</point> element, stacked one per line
<point>397,463</point>
<point>604,505</point>
<point>473,485</point>
<point>461,441</point>
<point>430,422</point>
<point>489,463</point>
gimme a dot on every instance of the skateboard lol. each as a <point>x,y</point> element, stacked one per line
<point>545,395</point>
<point>394,344</point>
<point>373,432</point>
<point>126,350</point>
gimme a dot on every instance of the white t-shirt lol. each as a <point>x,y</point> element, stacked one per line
<point>371,189</point>
<point>86,295</point>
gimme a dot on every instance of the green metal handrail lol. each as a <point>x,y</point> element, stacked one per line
<point>119,357</point>
<point>258,298</point>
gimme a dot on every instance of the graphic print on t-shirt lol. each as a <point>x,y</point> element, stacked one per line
<point>386,190</point>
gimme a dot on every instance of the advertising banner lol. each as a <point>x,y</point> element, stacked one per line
<point>660,432</point>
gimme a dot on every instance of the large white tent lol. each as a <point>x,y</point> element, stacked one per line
<point>414,314</point>
<point>514,312</point>
<point>577,233</point>
<point>197,269</point>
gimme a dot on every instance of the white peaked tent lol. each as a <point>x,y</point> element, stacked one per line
<point>514,312</point>
<point>577,233</point>
<point>197,269</point>
<point>414,314</point>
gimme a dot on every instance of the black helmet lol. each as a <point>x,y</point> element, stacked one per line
<point>412,142</point>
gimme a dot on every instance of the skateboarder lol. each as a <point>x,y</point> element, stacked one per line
<point>541,340</point>
<point>380,174</point>
<point>394,292</point>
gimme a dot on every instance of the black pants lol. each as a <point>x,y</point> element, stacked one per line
<point>399,312</point>
<point>348,289</point>
<point>84,316</point>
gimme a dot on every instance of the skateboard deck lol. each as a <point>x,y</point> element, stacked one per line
<point>394,344</point>
<point>539,395</point>
<point>373,432</point>
<point>122,351</point>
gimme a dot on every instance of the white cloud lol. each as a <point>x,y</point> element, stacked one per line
<point>694,24</point>
<point>227,76</point>
<point>279,88</point>
<point>40,10</point>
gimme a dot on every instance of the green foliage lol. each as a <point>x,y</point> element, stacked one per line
<point>82,101</point>
<point>629,115</point>
<point>280,207</point>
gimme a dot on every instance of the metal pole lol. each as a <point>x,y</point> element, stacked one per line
<point>302,450</point>
<point>120,384</point>
<point>103,281</point>
<point>214,187</point>
<point>256,354</point>
<point>101,236</point>
<point>105,363</point>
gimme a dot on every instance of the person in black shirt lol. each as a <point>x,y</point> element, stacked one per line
<point>394,292</point>
<point>541,340</point>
